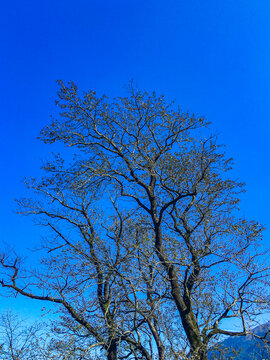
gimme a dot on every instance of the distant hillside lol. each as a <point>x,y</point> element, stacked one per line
<point>243,347</point>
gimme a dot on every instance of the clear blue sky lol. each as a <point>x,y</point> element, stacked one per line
<point>212,57</point>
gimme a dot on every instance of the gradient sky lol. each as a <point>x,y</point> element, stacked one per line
<point>212,57</point>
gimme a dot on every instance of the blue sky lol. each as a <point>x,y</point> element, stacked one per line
<point>212,57</point>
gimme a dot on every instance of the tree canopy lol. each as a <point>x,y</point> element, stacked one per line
<point>148,255</point>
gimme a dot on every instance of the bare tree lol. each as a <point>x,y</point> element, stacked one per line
<point>22,339</point>
<point>81,273</point>
<point>145,223</point>
<point>25,340</point>
<point>16,342</point>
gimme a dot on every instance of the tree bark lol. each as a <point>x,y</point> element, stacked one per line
<point>183,304</point>
<point>112,350</point>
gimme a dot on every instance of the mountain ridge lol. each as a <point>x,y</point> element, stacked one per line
<point>244,347</point>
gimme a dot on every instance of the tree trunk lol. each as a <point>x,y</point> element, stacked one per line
<point>112,350</point>
<point>183,304</point>
<point>199,354</point>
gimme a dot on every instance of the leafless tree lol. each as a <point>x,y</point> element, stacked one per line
<point>22,339</point>
<point>145,225</point>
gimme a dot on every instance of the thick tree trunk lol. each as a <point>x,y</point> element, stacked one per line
<point>112,350</point>
<point>183,303</point>
<point>199,354</point>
